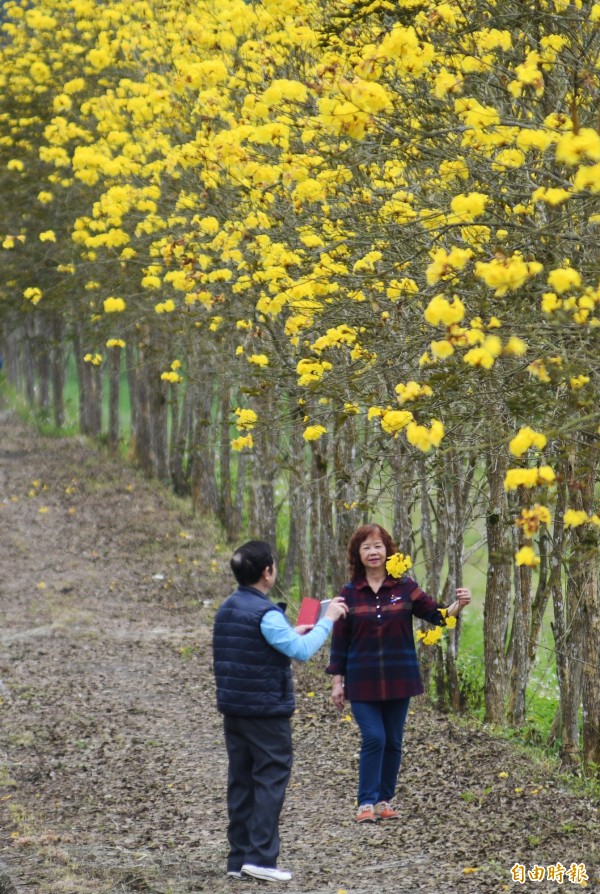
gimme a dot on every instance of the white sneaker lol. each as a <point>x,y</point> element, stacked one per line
<point>267,873</point>
<point>234,873</point>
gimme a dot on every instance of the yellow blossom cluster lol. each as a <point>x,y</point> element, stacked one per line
<point>507,273</point>
<point>246,419</point>
<point>573,518</point>
<point>398,564</point>
<point>314,432</point>
<point>264,192</point>
<point>526,438</point>
<point>526,556</point>
<point>537,477</point>
<point>530,519</point>
<point>243,442</point>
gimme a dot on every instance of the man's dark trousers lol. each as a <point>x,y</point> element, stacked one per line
<point>260,763</point>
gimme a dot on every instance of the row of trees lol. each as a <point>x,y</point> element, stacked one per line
<point>345,262</point>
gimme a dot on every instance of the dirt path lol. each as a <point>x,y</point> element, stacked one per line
<point>112,766</point>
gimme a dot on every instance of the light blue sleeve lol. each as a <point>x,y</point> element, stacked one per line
<point>277,631</point>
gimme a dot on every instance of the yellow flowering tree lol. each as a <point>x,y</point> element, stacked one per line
<point>354,246</point>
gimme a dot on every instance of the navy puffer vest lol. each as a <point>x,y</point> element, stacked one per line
<point>253,679</point>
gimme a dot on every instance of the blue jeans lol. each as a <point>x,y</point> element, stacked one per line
<point>382,727</point>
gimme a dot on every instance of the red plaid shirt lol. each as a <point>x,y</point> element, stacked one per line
<point>373,647</point>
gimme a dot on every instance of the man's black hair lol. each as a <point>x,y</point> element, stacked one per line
<point>250,560</point>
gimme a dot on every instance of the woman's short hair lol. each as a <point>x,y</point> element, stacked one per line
<point>250,560</point>
<point>355,565</point>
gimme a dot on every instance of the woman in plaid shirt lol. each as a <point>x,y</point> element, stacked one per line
<point>374,662</point>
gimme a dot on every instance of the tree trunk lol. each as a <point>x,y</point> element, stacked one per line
<point>158,404</point>
<point>131,368</point>
<point>43,348</point>
<point>181,421</point>
<point>583,572</point>
<point>298,554</point>
<point>519,641</point>
<point>262,485</point>
<point>540,602</point>
<point>28,360</point>
<point>455,515</point>
<point>431,580</point>
<point>402,496</point>
<point>143,436</point>
<point>94,400</point>
<point>496,609</point>
<point>320,518</point>
<point>566,672</point>
<point>343,451</point>
<point>203,477</point>
<point>114,370</point>
<point>58,371</point>
<point>225,497</point>
<point>237,514</point>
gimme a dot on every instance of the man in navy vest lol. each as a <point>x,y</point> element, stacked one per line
<point>253,645</point>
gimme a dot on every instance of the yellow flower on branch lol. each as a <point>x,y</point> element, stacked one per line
<point>515,347</point>
<point>446,263</point>
<point>573,518</point>
<point>242,442</point>
<point>539,371</point>
<point>33,294</point>
<point>311,371</point>
<point>442,349</point>
<point>165,307</point>
<point>398,564</point>
<point>552,195</point>
<point>573,148</point>
<point>527,556</point>
<point>525,438</point>
<point>258,359</point>
<point>412,391</point>
<point>587,177</point>
<point>114,305</point>
<point>246,419</point>
<point>449,619</point>
<point>538,477</point>
<point>531,519</point>
<point>424,438</point>
<point>578,382</point>
<point>431,637</point>
<point>479,357</point>
<point>441,311</point>
<point>314,432</point>
<point>506,274</point>
<point>394,421</point>
<point>469,206</point>
<point>563,279</point>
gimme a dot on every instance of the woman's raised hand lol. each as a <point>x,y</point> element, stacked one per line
<point>463,597</point>
<point>337,608</point>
